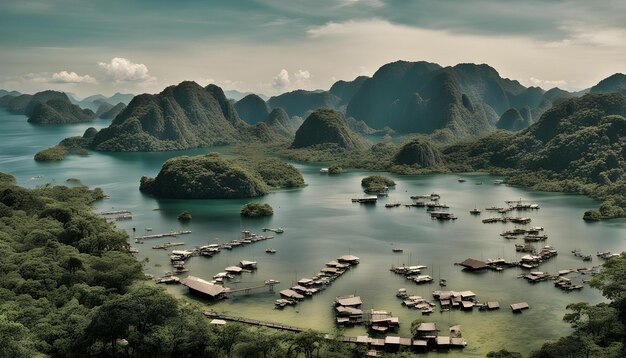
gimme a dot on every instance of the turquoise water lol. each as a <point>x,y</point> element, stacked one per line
<point>321,224</point>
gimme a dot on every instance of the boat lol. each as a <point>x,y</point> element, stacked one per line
<point>270,251</point>
<point>443,282</point>
<point>396,250</point>
<point>475,211</point>
<point>148,229</point>
<point>498,182</point>
<point>461,180</point>
<point>392,205</point>
<point>324,170</point>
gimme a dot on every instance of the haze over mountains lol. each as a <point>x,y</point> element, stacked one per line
<point>451,103</point>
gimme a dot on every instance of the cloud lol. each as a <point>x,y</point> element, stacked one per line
<point>546,83</point>
<point>281,80</point>
<point>123,70</point>
<point>302,75</point>
<point>71,77</point>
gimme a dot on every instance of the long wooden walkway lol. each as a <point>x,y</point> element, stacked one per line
<point>253,322</point>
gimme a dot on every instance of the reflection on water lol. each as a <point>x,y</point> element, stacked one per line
<point>321,223</point>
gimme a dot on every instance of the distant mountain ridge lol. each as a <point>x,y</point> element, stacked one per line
<point>180,117</point>
<point>46,107</point>
<point>95,101</point>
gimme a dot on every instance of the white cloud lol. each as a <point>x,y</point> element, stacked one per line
<point>546,84</point>
<point>123,70</point>
<point>71,77</point>
<point>281,80</point>
<point>302,75</point>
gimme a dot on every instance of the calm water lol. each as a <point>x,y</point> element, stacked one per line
<point>321,224</point>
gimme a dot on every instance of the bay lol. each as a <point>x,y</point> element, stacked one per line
<point>321,223</point>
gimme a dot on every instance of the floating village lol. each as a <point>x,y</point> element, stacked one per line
<point>349,309</point>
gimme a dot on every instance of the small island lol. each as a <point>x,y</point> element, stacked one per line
<point>213,177</point>
<point>335,169</point>
<point>184,216</point>
<point>376,183</point>
<point>256,210</point>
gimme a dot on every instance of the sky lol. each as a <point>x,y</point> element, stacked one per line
<point>136,46</point>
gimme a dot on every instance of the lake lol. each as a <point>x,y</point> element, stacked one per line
<point>321,223</point>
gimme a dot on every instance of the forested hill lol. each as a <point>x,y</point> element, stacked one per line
<point>577,146</point>
<point>459,101</point>
<point>46,107</point>
<point>180,117</point>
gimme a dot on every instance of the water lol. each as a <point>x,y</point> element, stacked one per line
<point>321,224</point>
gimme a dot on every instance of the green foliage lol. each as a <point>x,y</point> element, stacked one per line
<point>6,178</point>
<point>184,216</point>
<point>577,146</point>
<point>255,210</point>
<point>419,153</point>
<point>59,111</point>
<point>274,172</point>
<point>207,176</point>
<point>325,126</point>
<point>54,153</point>
<point>503,353</point>
<point>592,215</point>
<point>335,169</point>
<point>599,330</point>
<point>180,117</point>
<point>375,182</point>
<point>211,176</point>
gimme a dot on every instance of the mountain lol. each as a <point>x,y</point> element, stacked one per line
<point>326,126</point>
<point>278,120</point>
<point>107,111</point>
<point>180,117</point>
<point>465,100</point>
<point>419,153</point>
<point>578,145</point>
<point>237,95</point>
<point>614,83</point>
<point>9,93</point>
<point>58,111</point>
<point>300,102</point>
<point>104,107</point>
<point>346,89</point>
<point>46,107</point>
<point>513,121</point>
<point>252,109</point>
<point>94,102</point>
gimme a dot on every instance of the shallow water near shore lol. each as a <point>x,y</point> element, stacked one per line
<point>321,224</point>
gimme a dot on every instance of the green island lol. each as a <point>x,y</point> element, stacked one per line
<point>184,216</point>
<point>376,183</point>
<point>212,176</point>
<point>256,210</point>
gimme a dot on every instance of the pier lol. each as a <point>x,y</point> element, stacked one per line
<point>114,212</point>
<point>168,234</point>
<point>253,322</point>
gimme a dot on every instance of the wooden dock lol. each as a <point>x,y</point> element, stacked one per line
<point>168,234</point>
<point>253,322</point>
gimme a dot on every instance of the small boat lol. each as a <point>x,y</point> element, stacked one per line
<point>270,251</point>
<point>475,211</point>
<point>392,205</point>
<point>443,282</point>
<point>148,229</point>
<point>461,180</point>
<point>324,170</point>
<point>396,250</point>
<point>498,182</point>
